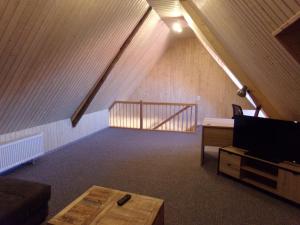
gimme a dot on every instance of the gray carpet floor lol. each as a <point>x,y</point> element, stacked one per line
<point>158,164</point>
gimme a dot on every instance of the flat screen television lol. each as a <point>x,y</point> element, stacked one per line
<point>269,139</point>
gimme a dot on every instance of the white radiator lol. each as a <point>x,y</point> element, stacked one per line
<point>17,152</point>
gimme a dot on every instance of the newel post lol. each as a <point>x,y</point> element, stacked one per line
<point>141,114</point>
<point>196,116</point>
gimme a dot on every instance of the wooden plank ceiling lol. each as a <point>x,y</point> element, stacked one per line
<point>187,70</point>
<point>136,63</point>
<point>52,52</point>
<point>166,8</point>
<point>245,30</point>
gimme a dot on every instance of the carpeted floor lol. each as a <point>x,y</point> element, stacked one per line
<point>159,164</point>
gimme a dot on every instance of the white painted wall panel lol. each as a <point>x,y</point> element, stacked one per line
<point>60,133</point>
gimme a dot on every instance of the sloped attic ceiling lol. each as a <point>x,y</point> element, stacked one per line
<point>245,30</point>
<point>52,52</point>
<point>134,66</point>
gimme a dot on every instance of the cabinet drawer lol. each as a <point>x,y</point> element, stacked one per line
<point>230,158</point>
<point>230,164</point>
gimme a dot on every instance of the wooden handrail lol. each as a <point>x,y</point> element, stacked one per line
<point>153,103</point>
<point>122,102</point>
<point>168,103</point>
<point>144,115</point>
<point>171,117</point>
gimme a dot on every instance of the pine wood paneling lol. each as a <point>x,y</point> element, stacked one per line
<point>245,29</point>
<point>166,8</point>
<point>93,92</point>
<point>146,48</point>
<point>185,71</point>
<point>53,51</point>
<point>221,56</point>
<point>60,133</point>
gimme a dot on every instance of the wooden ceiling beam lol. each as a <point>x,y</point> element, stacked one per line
<point>93,92</point>
<point>199,25</point>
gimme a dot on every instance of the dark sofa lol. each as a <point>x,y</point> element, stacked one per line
<point>23,202</point>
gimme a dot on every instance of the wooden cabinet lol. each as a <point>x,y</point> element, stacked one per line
<point>289,185</point>
<point>282,179</point>
<point>216,132</point>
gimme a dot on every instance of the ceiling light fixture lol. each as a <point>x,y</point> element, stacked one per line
<point>177,27</point>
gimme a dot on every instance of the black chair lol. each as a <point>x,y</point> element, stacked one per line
<point>237,110</point>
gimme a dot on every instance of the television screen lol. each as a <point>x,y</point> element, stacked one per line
<point>274,140</point>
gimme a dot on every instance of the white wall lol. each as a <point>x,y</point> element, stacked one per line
<point>60,133</point>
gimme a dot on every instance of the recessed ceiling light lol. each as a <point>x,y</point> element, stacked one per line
<point>177,27</point>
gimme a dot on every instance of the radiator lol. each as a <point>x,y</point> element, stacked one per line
<point>20,151</point>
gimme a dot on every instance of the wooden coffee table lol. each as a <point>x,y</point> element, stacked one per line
<point>98,206</point>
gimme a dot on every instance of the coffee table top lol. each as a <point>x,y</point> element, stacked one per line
<point>98,206</point>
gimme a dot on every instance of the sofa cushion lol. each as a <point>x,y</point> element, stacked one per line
<point>21,199</point>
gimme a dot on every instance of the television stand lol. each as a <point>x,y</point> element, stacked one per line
<point>271,159</point>
<point>282,179</point>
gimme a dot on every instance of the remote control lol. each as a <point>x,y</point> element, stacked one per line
<point>124,199</point>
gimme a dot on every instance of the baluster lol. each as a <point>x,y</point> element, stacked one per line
<point>117,115</point>
<point>141,115</point>
<point>131,117</point>
<point>137,114</point>
<point>125,114</point>
<point>134,113</point>
<point>191,116</point>
<point>186,119</point>
<point>129,112</point>
<point>196,116</point>
<point>182,118</point>
<point>161,112</point>
<point>122,109</point>
<point>147,115</point>
<point>177,107</point>
<point>174,111</point>
<point>151,116</point>
<point>169,114</point>
<point>114,113</point>
<point>155,116</point>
